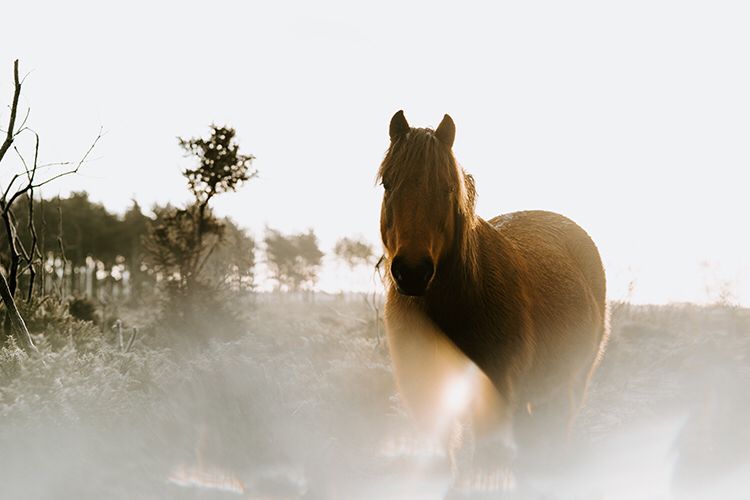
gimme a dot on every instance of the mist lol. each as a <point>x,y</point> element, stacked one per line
<point>303,405</point>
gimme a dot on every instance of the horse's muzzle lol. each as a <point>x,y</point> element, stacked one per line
<point>412,279</point>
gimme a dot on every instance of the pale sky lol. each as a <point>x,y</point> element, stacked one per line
<point>632,118</point>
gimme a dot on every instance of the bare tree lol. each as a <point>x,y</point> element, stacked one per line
<point>22,259</point>
<point>14,319</point>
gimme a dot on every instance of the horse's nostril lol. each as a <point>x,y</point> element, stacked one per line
<point>412,279</point>
<point>397,275</point>
<point>425,269</point>
<point>396,267</point>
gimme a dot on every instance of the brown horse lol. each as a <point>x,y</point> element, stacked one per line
<point>489,323</point>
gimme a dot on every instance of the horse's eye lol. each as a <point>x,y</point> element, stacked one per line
<point>386,186</point>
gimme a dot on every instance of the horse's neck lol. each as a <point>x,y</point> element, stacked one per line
<point>458,279</point>
<point>468,266</point>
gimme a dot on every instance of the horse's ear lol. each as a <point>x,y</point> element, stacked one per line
<point>399,126</point>
<point>446,131</point>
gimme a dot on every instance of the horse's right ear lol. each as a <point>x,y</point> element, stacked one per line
<point>446,131</point>
<point>399,126</point>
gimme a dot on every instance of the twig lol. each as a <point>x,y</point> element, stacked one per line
<point>34,247</point>
<point>132,339</point>
<point>61,245</point>
<point>22,126</point>
<point>31,184</point>
<point>118,328</point>
<point>43,246</point>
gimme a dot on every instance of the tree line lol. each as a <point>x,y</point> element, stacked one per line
<point>65,245</point>
<point>157,245</point>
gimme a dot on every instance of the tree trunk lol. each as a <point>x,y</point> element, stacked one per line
<point>19,327</point>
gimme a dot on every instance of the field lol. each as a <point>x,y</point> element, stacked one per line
<point>303,405</point>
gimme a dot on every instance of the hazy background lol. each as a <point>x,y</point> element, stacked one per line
<point>632,118</point>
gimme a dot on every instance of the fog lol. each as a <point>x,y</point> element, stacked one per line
<point>303,405</point>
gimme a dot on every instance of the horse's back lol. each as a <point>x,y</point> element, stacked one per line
<point>564,280</point>
<point>550,242</point>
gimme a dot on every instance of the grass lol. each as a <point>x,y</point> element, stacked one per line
<point>300,405</point>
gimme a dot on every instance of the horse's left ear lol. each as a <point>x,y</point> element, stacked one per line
<point>399,126</point>
<point>446,131</point>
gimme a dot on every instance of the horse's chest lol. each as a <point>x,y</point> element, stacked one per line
<point>435,378</point>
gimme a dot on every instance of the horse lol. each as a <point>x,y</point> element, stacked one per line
<point>491,324</point>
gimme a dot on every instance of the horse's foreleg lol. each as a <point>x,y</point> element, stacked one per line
<point>461,447</point>
<point>482,454</point>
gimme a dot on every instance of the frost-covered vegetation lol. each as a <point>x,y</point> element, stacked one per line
<point>306,387</point>
<point>302,405</point>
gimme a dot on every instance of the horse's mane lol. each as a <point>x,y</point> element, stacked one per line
<point>421,150</point>
<point>420,153</point>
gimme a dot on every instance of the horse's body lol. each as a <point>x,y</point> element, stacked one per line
<point>509,320</point>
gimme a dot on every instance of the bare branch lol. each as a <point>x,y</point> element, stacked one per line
<point>7,191</point>
<point>23,160</point>
<point>5,205</point>
<point>34,251</point>
<point>22,126</point>
<point>14,316</point>
<point>19,242</point>
<point>78,165</point>
<point>13,110</point>
<point>30,174</point>
<point>118,328</point>
<point>132,339</point>
<point>60,241</point>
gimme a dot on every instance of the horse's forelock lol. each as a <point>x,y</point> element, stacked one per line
<point>419,149</point>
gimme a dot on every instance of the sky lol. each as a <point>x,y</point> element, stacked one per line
<point>632,118</point>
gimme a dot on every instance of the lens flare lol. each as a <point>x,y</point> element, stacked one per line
<point>197,477</point>
<point>459,391</point>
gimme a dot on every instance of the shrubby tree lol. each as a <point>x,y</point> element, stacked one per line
<point>354,252</point>
<point>180,242</point>
<point>221,168</point>
<point>171,249</point>
<point>233,262</point>
<point>294,260</point>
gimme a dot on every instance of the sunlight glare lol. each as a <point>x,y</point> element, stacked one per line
<point>458,392</point>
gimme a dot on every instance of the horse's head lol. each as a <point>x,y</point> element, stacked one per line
<point>427,203</point>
